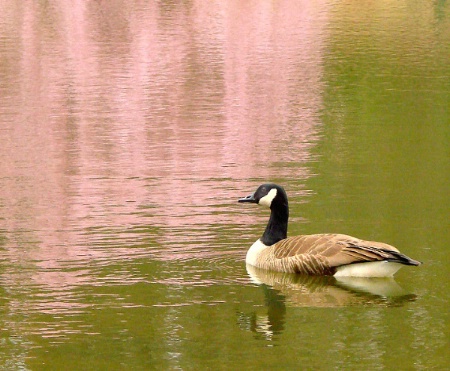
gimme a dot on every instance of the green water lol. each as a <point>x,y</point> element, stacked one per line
<point>127,133</point>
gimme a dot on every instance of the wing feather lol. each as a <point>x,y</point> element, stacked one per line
<point>323,253</point>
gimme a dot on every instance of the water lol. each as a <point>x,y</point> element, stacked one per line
<point>129,130</point>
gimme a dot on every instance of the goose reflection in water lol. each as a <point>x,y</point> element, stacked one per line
<point>315,291</point>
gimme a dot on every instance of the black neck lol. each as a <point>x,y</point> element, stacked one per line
<point>276,229</point>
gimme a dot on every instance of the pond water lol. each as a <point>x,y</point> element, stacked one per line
<point>128,130</point>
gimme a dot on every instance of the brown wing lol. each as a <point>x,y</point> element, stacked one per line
<point>315,244</point>
<point>334,250</point>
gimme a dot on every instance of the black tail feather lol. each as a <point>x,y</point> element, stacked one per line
<point>402,258</point>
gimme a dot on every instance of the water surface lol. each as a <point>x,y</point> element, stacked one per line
<point>129,130</point>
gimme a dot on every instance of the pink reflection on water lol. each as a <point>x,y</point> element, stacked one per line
<point>119,116</point>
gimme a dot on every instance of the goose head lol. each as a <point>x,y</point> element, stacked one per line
<point>270,195</point>
<point>274,197</point>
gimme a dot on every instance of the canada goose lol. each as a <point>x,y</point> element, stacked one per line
<point>338,255</point>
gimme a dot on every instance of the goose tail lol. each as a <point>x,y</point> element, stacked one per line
<point>403,259</point>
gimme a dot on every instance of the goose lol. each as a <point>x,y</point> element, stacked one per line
<point>327,254</point>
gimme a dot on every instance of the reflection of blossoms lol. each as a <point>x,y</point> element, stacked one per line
<point>137,126</point>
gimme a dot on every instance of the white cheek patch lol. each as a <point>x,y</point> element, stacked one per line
<point>268,198</point>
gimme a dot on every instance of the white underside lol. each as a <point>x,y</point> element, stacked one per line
<point>254,251</point>
<point>369,269</point>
